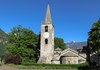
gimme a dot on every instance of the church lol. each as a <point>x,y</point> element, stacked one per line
<point>49,55</point>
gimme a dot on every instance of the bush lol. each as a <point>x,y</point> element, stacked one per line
<point>13,59</point>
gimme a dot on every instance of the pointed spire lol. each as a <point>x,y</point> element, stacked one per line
<point>48,19</point>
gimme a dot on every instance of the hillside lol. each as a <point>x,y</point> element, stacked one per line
<point>3,41</point>
<point>3,35</point>
<point>76,45</point>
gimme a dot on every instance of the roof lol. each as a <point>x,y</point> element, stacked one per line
<point>48,19</point>
<point>58,49</point>
<point>70,52</point>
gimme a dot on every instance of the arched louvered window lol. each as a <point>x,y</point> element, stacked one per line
<point>46,41</point>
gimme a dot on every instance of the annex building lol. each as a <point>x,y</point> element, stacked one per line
<point>49,55</point>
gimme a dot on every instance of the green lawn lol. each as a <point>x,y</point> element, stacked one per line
<point>51,66</point>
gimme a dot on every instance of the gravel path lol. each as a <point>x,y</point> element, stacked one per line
<point>5,67</point>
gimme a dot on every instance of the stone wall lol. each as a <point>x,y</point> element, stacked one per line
<point>69,60</point>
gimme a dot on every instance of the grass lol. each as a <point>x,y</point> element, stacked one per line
<point>51,66</point>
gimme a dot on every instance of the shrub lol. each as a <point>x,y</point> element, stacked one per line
<point>13,59</point>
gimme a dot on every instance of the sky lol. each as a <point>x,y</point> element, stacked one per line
<point>72,19</point>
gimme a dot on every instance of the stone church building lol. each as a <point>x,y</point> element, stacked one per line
<point>49,55</point>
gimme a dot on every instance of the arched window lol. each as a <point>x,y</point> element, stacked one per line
<point>46,41</point>
<point>46,28</point>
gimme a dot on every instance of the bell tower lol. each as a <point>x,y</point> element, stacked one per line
<point>47,39</point>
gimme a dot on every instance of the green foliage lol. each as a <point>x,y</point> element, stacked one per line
<point>94,37</point>
<point>23,41</point>
<point>59,42</point>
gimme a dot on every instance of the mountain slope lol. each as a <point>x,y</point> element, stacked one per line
<point>3,41</point>
<point>76,45</point>
<point>2,33</point>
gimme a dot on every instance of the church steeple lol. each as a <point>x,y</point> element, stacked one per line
<point>47,39</point>
<point>48,19</point>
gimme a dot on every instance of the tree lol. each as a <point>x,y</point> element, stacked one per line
<point>23,42</point>
<point>59,42</point>
<point>93,43</point>
<point>94,37</point>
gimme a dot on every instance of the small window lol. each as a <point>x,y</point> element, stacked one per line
<point>46,28</point>
<point>46,41</point>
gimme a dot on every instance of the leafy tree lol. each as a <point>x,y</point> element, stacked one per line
<point>23,41</point>
<point>94,37</point>
<point>93,43</point>
<point>59,42</point>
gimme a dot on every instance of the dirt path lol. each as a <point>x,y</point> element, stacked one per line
<point>5,67</point>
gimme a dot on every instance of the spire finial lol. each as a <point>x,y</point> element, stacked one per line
<point>48,1</point>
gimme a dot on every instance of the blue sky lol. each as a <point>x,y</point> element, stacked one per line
<point>72,19</point>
